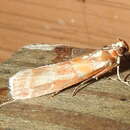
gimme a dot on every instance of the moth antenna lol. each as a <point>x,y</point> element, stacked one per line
<point>6,103</point>
<point>118,73</point>
<point>118,68</point>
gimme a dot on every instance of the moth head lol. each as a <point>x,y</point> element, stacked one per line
<point>121,47</point>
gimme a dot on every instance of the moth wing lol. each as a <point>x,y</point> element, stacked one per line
<point>42,80</point>
<point>39,55</point>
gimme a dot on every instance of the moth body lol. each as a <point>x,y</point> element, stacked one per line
<point>56,77</point>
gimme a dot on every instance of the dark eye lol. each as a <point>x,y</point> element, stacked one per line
<point>122,50</point>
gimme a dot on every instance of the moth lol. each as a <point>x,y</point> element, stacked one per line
<point>56,77</point>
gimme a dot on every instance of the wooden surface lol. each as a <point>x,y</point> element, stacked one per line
<point>83,23</point>
<point>103,105</point>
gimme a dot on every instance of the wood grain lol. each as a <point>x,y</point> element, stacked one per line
<point>102,105</point>
<point>82,23</point>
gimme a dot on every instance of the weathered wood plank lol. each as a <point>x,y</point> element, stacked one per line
<point>103,105</point>
<point>110,21</point>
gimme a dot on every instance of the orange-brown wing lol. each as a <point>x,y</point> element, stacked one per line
<point>53,78</point>
<point>24,84</point>
<point>42,80</point>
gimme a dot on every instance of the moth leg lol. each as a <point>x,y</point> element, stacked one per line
<point>96,76</point>
<point>82,84</point>
<point>8,102</point>
<point>55,93</point>
<point>125,79</point>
